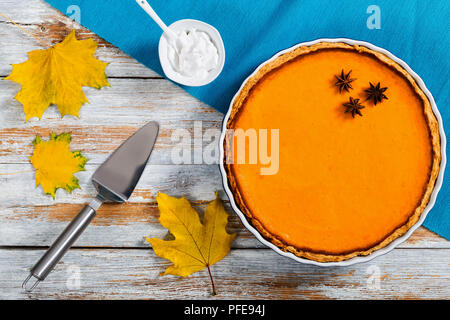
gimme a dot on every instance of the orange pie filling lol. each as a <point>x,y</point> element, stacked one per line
<point>344,185</point>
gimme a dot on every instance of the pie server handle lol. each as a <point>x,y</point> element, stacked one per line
<point>65,240</point>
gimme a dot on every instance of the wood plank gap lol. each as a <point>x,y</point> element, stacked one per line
<point>2,77</point>
<point>24,248</point>
<point>19,23</point>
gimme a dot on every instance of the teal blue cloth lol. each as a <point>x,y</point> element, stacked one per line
<point>416,31</point>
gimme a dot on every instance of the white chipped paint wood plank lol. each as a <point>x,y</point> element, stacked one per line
<point>196,182</point>
<point>126,98</point>
<point>50,25</point>
<point>124,226</point>
<point>113,114</point>
<point>32,218</point>
<point>116,225</point>
<point>243,274</point>
<point>125,101</point>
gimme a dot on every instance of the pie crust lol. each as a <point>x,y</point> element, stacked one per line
<point>434,136</point>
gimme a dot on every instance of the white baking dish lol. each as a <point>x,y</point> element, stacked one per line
<point>394,243</point>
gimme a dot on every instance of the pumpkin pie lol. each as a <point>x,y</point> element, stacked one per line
<point>359,151</point>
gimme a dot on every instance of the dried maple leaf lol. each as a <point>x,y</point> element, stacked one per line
<point>55,164</point>
<point>197,245</point>
<point>56,75</point>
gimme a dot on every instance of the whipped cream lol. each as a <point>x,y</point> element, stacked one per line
<point>192,54</point>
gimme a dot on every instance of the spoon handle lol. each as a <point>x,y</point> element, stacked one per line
<point>147,8</point>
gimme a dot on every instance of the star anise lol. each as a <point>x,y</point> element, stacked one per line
<point>344,80</point>
<point>353,106</point>
<point>376,93</point>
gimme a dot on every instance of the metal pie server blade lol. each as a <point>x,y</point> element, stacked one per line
<point>117,177</point>
<point>115,181</point>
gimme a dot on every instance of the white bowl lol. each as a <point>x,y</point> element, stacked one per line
<point>394,243</point>
<point>185,24</point>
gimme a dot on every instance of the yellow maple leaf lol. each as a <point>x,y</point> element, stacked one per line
<point>55,164</point>
<point>197,245</point>
<point>56,75</point>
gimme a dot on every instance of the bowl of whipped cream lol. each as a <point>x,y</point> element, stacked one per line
<point>195,57</point>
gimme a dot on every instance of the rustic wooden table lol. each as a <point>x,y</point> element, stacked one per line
<point>111,260</point>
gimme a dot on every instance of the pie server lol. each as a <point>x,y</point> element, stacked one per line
<point>115,181</point>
